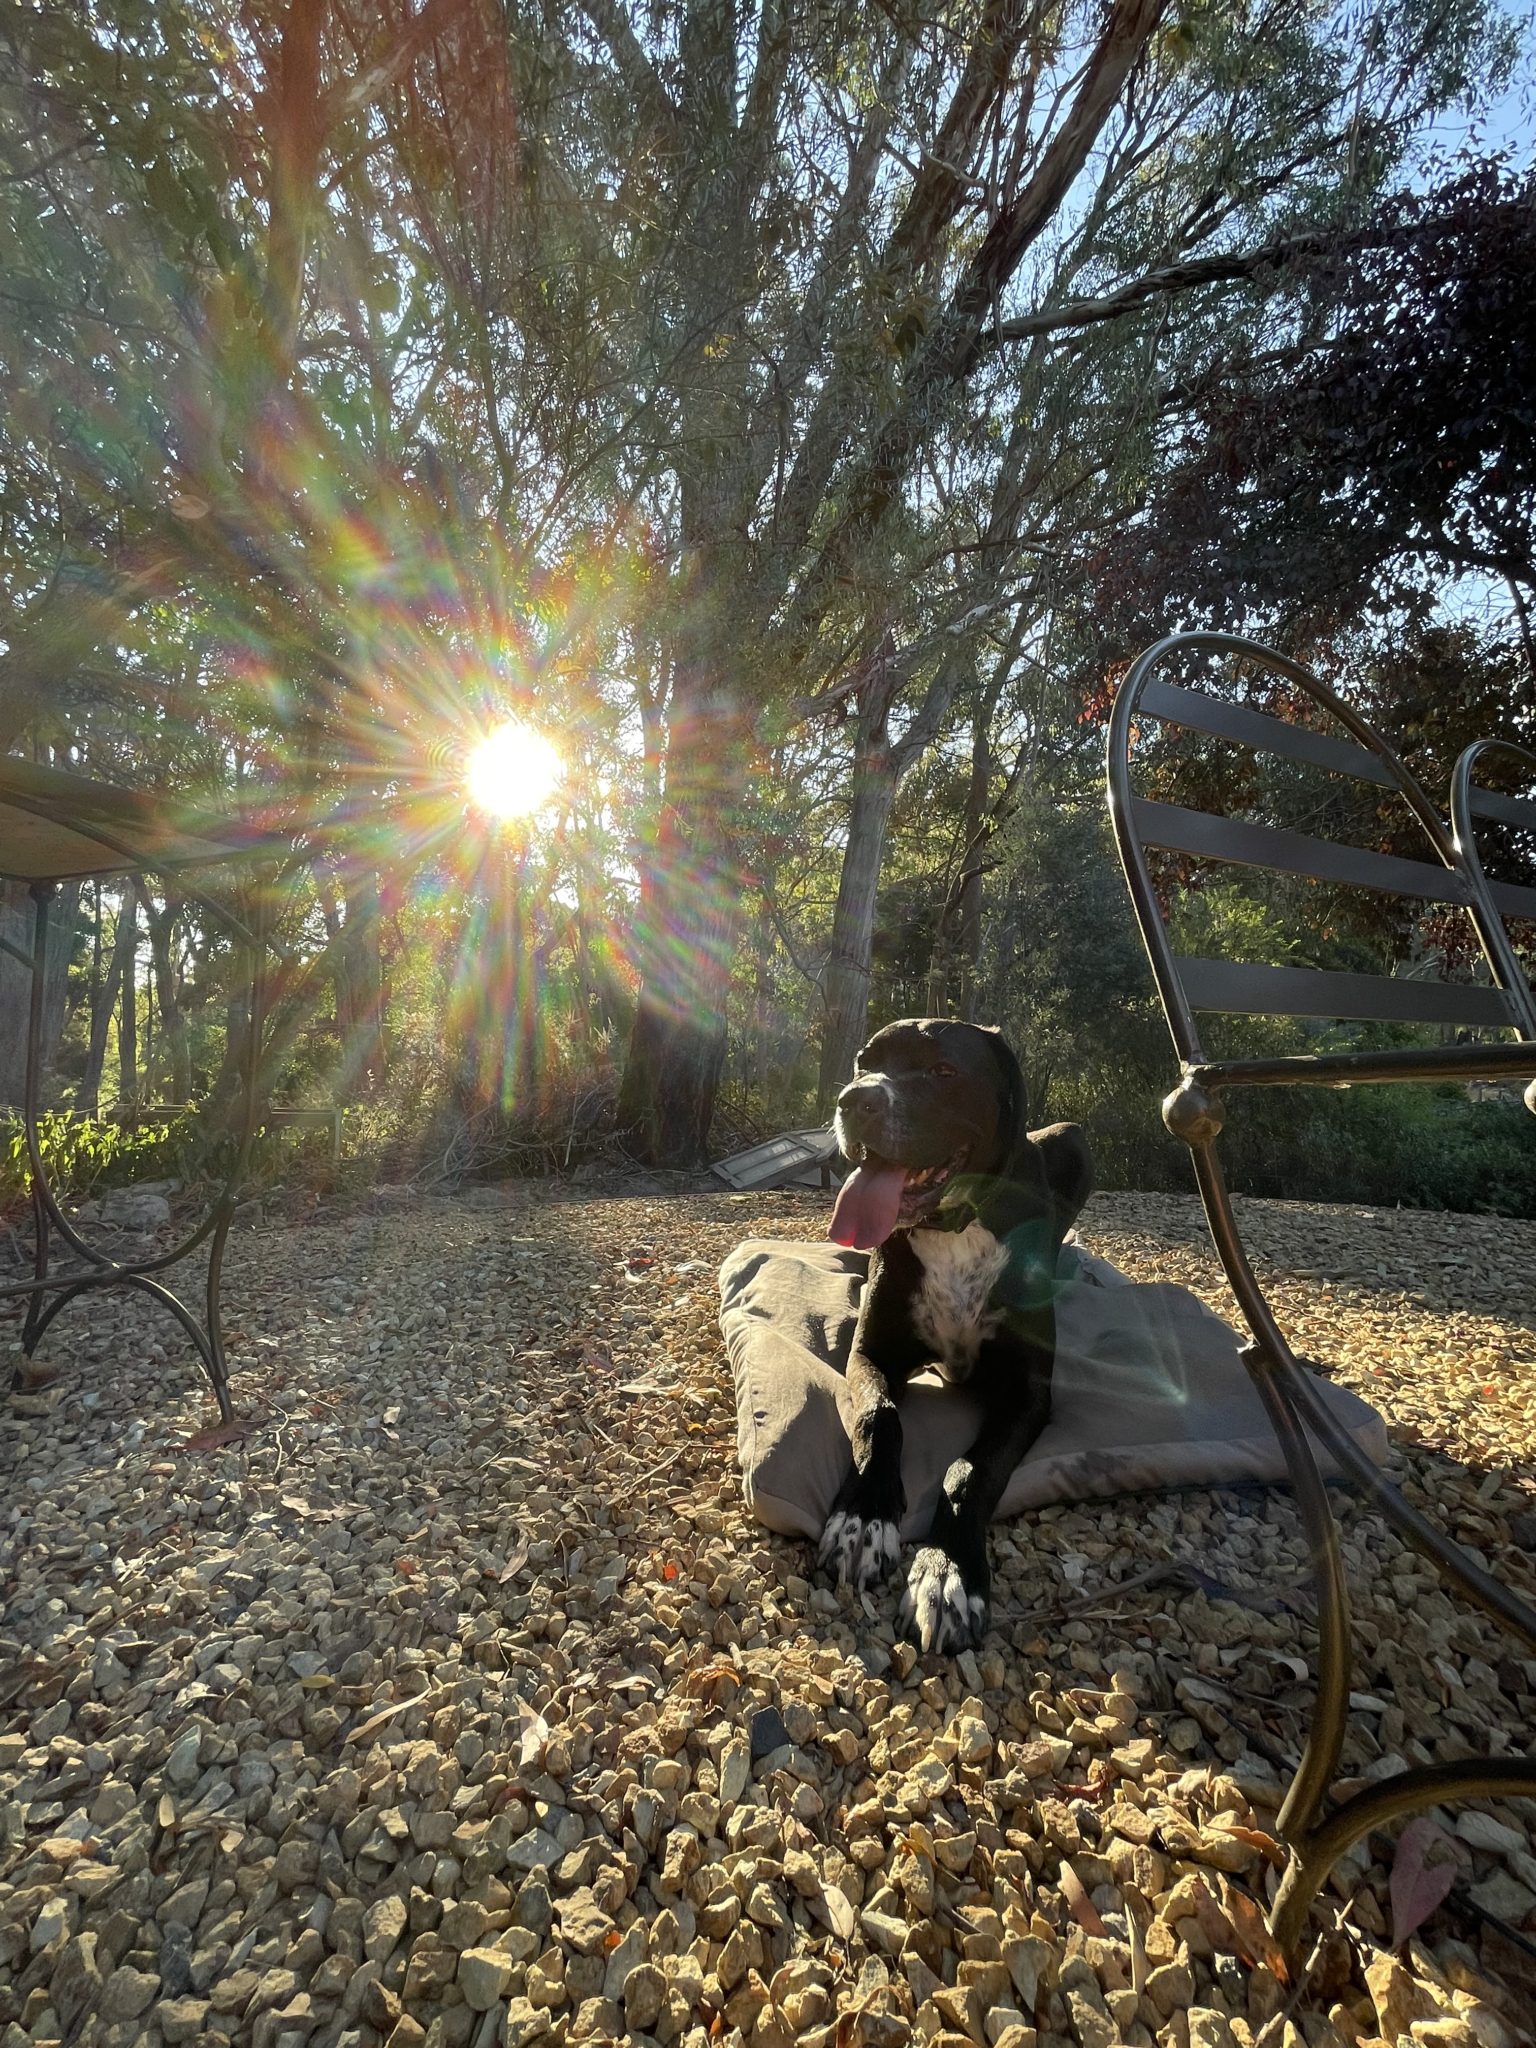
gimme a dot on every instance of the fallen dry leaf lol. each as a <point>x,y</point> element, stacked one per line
<point>1214,1923</point>
<point>218,1435</point>
<point>840,1913</point>
<point>1255,1942</point>
<point>1424,1868</point>
<point>1082,1908</point>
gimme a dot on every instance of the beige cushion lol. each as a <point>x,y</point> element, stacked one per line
<point>1148,1392</point>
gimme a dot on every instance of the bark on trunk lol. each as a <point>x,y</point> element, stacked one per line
<point>16,926</point>
<point>360,988</point>
<point>128,1014</point>
<point>690,902</point>
<point>762,1017</point>
<point>101,1014</point>
<point>298,111</point>
<point>845,983</point>
<point>677,1043</point>
<point>93,982</point>
<point>957,943</point>
<point>162,932</point>
<point>671,1080</point>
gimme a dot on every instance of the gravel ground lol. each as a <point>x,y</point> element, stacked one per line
<point>457,1701</point>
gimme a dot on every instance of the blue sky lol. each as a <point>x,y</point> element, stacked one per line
<point>1506,125</point>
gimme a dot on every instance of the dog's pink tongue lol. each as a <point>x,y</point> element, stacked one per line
<point>868,1204</point>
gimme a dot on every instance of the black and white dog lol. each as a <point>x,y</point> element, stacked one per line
<point>963,1213</point>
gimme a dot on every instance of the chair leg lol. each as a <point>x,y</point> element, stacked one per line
<point>1330,1710</point>
<point>1266,1357</point>
<point>1317,1840</point>
<point>1412,1791</point>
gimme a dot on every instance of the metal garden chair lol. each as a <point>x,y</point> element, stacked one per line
<point>1316,1831</point>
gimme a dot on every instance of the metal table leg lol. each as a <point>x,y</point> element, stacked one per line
<point>51,1225</point>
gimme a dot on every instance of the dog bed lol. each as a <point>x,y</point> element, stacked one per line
<point>1149,1392</point>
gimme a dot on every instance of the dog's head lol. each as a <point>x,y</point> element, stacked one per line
<point>930,1100</point>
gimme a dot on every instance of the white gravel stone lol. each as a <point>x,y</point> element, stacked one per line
<point>484,1974</point>
<point>1482,1831</point>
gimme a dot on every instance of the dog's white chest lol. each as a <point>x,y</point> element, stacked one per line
<point>949,1311</point>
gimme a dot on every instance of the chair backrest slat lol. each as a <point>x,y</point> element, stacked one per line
<point>1241,988</point>
<point>1297,853</point>
<point>1506,899</point>
<point>1449,874</point>
<point>1505,810</point>
<point>1264,734</point>
<point>1513,898</point>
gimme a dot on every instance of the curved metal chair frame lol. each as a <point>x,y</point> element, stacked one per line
<point>1316,1832</point>
<point>1468,804</point>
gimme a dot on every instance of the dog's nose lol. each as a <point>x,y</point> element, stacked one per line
<point>862,1098</point>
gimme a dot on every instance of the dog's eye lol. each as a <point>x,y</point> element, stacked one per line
<point>943,1071</point>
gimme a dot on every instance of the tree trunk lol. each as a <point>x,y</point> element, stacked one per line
<point>671,1079</point>
<point>677,1043</point>
<point>957,942</point>
<point>360,987</point>
<point>298,115</point>
<point>762,1017</point>
<point>519,1014</point>
<point>686,935</point>
<point>128,1014</point>
<point>93,982</point>
<point>585,1003</point>
<point>690,898</point>
<point>16,926</point>
<point>103,1006</point>
<point>162,931</point>
<point>845,983</point>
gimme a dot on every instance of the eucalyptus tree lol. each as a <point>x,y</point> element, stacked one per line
<point>851,246</point>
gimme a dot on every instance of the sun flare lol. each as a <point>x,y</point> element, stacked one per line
<point>513,771</point>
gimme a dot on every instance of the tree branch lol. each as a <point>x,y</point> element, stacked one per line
<point>949,353</point>
<point>298,135</point>
<point>635,68</point>
<point>369,85</point>
<point>1173,277</point>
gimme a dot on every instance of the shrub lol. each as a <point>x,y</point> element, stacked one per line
<point>81,1153</point>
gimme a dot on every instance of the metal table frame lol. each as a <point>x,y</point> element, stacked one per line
<point>1316,1831</point>
<point>77,807</point>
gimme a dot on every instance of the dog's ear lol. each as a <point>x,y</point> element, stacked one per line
<point>1013,1117</point>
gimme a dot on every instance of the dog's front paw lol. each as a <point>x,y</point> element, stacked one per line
<point>944,1609</point>
<point>861,1552</point>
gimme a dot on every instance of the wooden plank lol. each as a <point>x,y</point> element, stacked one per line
<point>1268,846</point>
<point>1258,730</point>
<point>1258,991</point>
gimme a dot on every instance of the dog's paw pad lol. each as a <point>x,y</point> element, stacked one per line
<point>937,1609</point>
<point>861,1553</point>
